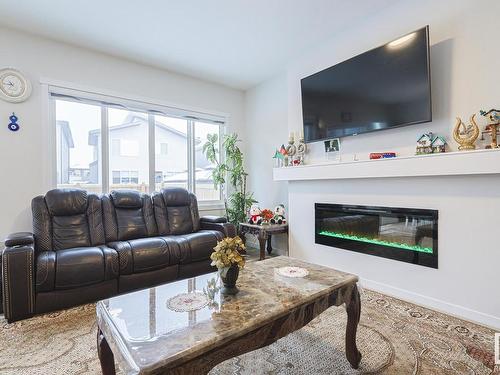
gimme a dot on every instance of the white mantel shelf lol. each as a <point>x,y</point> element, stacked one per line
<point>477,162</point>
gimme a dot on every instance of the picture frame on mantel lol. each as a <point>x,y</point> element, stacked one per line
<point>332,149</point>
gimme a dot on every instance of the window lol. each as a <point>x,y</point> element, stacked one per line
<point>204,182</point>
<point>125,177</point>
<point>162,149</point>
<point>144,149</point>
<point>174,169</point>
<point>129,130</point>
<point>78,155</point>
<point>115,147</point>
<point>158,177</point>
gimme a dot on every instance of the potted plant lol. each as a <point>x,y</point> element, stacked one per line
<point>237,200</point>
<point>228,260</point>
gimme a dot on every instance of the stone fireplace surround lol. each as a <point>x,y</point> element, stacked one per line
<point>467,283</point>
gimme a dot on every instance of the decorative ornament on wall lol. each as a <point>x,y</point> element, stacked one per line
<point>13,125</point>
<point>14,86</point>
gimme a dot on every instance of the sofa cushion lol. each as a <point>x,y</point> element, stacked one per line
<point>176,211</point>
<point>179,218</point>
<point>75,267</point>
<point>146,254</point>
<point>70,231</point>
<point>150,254</point>
<point>175,197</point>
<point>197,246</point>
<point>66,202</point>
<point>126,198</point>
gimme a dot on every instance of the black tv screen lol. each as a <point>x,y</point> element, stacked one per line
<point>384,88</point>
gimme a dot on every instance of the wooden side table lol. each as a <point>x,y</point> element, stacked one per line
<point>263,233</point>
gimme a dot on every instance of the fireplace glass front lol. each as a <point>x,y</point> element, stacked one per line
<point>404,234</point>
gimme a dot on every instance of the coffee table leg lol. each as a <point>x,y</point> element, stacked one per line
<point>105,355</point>
<point>262,245</point>
<point>269,246</point>
<point>353,308</point>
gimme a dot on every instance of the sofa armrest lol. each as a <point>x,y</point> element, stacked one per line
<point>18,267</point>
<point>213,219</point>
<point>211,223</point>
<point>19,239</point>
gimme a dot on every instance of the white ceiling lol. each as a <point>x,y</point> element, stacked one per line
<point>238,43</point>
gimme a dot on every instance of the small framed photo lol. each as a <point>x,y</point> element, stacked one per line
<point>332,149</point>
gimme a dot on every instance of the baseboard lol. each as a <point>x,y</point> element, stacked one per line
<point>458,311</point>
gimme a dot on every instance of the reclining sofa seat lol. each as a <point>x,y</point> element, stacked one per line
<point>177,215</point>
<point>85,248</point>
<point>65,262</point>
<point>145,259</point>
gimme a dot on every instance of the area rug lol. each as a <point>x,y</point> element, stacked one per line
<point>395,337</point>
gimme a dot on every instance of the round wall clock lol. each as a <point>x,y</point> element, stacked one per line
<point>14,86</point>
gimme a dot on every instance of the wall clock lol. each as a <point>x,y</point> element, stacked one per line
<point>14,86</point>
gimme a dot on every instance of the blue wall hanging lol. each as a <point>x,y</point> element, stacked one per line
<point>13,125</point>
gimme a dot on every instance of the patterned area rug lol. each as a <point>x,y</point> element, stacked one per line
<point>394,337</point>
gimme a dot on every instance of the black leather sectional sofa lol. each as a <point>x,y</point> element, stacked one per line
<point>86,247</point>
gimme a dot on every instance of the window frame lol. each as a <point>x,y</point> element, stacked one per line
<point>52,91</point>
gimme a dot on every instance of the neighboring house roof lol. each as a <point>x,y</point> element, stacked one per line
<point>133,119</point>
<point>66,132</point>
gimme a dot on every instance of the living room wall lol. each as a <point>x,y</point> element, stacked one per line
<point>464,79</point>
<point>25,151</point>
<point>266,118</point>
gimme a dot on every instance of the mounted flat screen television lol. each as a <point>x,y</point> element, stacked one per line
<point>385,88</point>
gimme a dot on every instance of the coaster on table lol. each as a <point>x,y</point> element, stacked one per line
<point>185,302</point>
<point>292,271</point>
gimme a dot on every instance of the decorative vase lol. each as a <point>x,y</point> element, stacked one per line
<point>229,280</point>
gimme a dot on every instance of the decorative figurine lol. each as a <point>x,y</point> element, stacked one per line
<point>279,215</point>
<point>428,143</point>
<point>493,128</point>
<point>424,144</point>
<point>255,217</point>
<point>279,157</point>
<point>438,144</point>
<point>13,125</point>
<point>301,150</point>
<point>466,136</point>
<point>291,149</point>
<point>286,158</point>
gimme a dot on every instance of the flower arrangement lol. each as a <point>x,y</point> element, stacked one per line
<point>266,215</point>
<point>227,254</point>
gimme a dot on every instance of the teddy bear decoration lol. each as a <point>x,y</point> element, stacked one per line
<point>279,215</point>
<point>255,217</point>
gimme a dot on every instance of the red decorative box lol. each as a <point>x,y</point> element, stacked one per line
<point>382,155</point>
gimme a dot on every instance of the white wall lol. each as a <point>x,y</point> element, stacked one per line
<point>462,36</point>
<point>464,79</point>
<point>266,129</point>
<point>23,153</point>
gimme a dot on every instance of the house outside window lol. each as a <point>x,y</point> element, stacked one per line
<point>87,129</point>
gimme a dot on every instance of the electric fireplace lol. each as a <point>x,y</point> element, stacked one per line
<point>404,234</point>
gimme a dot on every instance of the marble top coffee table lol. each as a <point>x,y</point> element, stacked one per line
<point>150,331</point>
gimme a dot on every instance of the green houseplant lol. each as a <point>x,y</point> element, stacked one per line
<point>230,171</point>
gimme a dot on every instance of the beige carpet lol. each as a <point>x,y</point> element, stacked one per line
<point>394,337</point>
